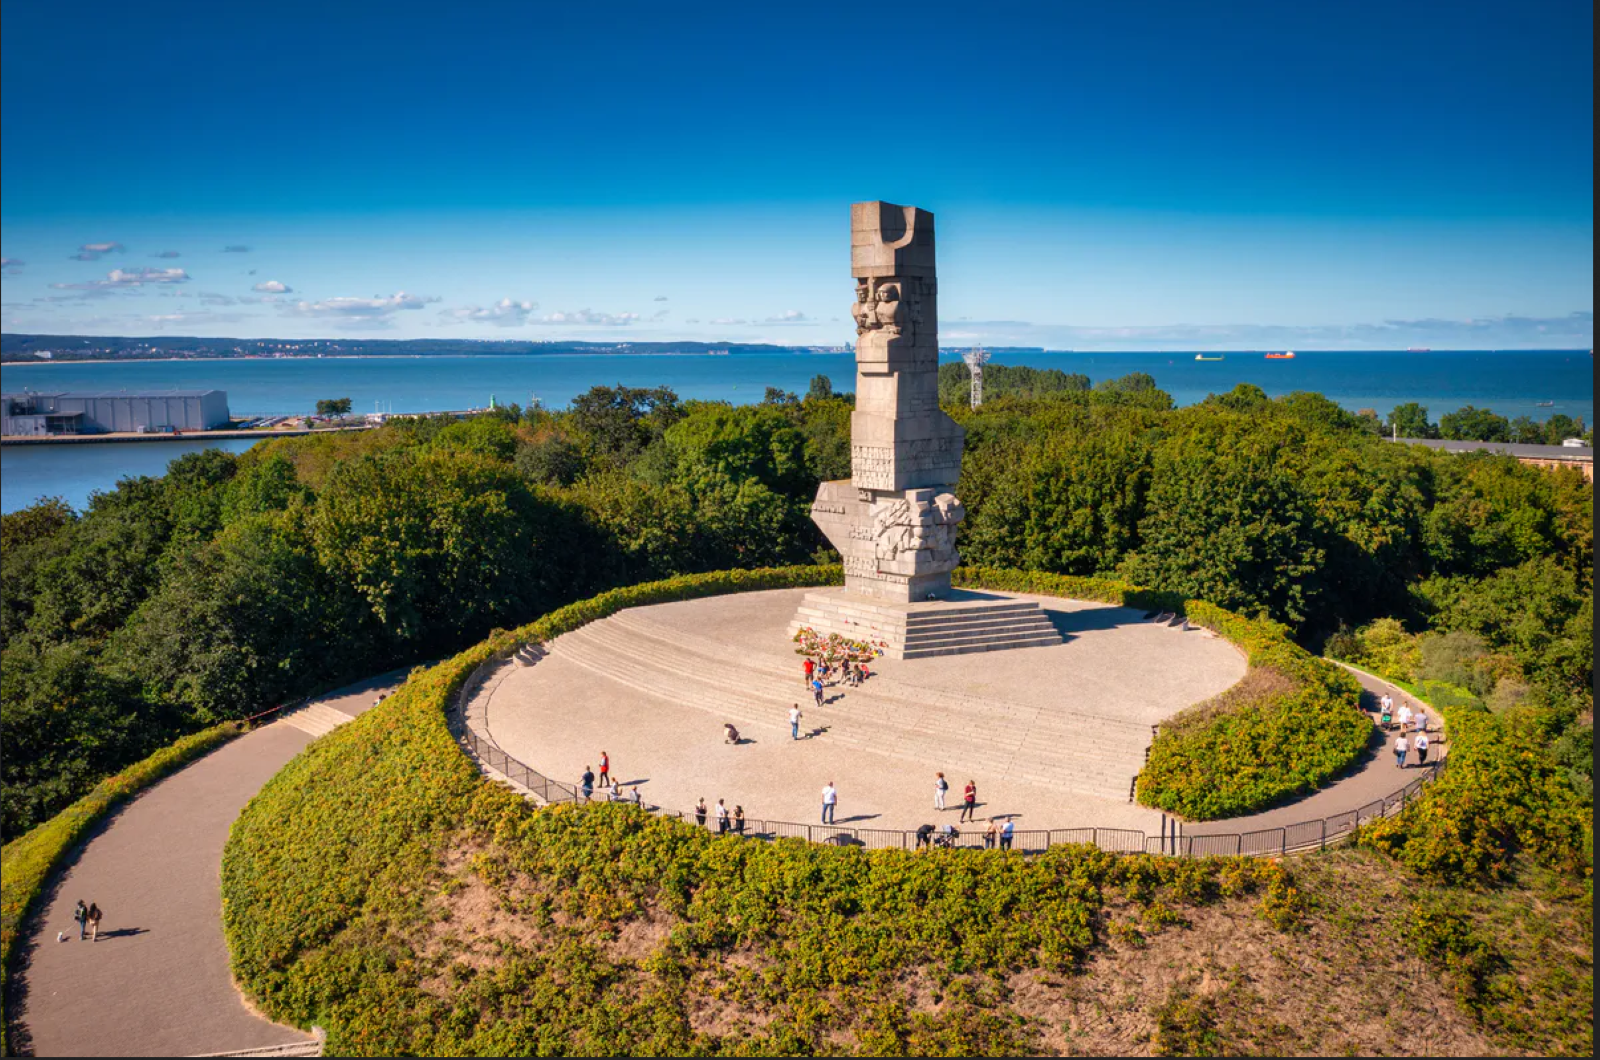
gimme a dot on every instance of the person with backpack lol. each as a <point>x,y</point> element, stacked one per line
<point>940,786</point>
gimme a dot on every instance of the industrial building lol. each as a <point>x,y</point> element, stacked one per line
<point>88,412</point>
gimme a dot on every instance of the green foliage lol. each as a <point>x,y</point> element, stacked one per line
<point>1270,741</point>
<point>1007,381</point>
<point>333,407</point>
<point>1474,425</point>
<point>28,861</point>
<point>1186,1025</point>
<point>1410,420</point>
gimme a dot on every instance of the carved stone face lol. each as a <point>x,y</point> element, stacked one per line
<point>889,292</point>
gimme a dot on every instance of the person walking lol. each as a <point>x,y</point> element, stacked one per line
<point>810,668</point>
<point>830,799</point>
<point>722,818</point>
<point>94,915</point>
<point>700,813</point>
<point>1419,720</point>
<point>1421,744</point>
<point>794,722</point>
<point>738,820</point>
<point>816,690</point>
<point>1007,832</point>
<point>1400,750</point>
<point>1405,717</point>
<point>80,916</point>
<point>586,782</point>
<point>940,786</point>
<point>605,770</point>
<point>969,801</point>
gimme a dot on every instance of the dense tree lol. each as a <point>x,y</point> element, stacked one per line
<point>618,422</point>
<point>1471,424</point>
<point>333,407</point>
<point>821,388</point>
<point>1410,420</point>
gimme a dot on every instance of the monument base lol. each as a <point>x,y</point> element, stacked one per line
<point>961,623</point>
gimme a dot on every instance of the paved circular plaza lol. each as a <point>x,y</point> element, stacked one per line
<point>1053,736</point>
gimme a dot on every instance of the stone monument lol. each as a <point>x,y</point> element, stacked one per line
<point>894,520</point>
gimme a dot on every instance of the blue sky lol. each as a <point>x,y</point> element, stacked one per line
<point>1153,175</point>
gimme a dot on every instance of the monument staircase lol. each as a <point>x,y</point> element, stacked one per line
<point>964,623</point>
<point>316,719</point>
<point>1039,743</point>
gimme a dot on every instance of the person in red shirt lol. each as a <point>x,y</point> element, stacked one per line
<point>810,668</point>
<point>969,801</point>
<point>605,769</point>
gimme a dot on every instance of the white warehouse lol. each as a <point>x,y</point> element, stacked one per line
<point>89,412</point>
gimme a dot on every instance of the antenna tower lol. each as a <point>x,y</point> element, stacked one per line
<point>976,358</point>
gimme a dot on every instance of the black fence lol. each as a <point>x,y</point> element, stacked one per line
<point>1268,842</point>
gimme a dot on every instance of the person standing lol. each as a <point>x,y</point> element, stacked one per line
<point>940,786</point>
<point>700,813</point>
<point>637,801</point>
<point>587,782</point>
<point>794,722</point>
<point>830,799</point>
<point>1421,744</point>
<point>1400,749</point>
<point>810,668</point>
<point>991,835</point>
<point>1007,832</point>
<point>94,915</point>
<point>722,818</point>
<point>969,801</point>
<point>738,820</point>
<point>605,770</point>
<point>80,916</point>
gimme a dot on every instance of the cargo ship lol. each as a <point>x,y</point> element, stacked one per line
<point>1203,357</point>
<point>1286,355</point>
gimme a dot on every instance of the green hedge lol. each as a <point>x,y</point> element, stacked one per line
<point>338,881</point>
<point>28,861</point>
<point>1255,751</point>
<point>1500,796</point>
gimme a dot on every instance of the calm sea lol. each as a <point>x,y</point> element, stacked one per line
<point>1511,383</point>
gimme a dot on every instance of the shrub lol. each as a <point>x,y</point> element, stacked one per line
<point>28,861</point>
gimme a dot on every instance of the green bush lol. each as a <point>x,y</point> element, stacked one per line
<point>28,861</point>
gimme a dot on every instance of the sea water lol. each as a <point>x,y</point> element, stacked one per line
<point>1510,383</point>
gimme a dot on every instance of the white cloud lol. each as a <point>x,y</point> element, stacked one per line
<point>789,316</point>
<point>273,287</point>
<point>506,313</point>
<point>11,265</point>
<point>589,316</point>
<point>128,278</point>
<point>375,310</point>
<point>725,321</point>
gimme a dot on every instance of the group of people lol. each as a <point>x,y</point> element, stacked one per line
<point>725,822</point>
<point>969,797</point>
<point>87,917</point>
<point>609,787</point>
<point>999,833</point>
<point>1412,726</point>
<point>818,675</point>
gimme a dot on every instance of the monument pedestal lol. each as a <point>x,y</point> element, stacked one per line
<point>961,623</point>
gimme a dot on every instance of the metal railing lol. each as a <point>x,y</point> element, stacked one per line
<point>1314,834</point>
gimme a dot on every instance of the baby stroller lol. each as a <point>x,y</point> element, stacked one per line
<point>946,837</point>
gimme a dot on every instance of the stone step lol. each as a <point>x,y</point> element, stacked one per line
<point>1091,733</point>
<point>900,729</point>
<point>669,646</point>
<point>957,635</point>
<point>314,719</point>
<point>929,651</point>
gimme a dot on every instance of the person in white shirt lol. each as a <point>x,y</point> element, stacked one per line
<point>722,818</point>
<point>940,786</point>
<point>1386,703</point>
<point>1007,830</point>
<point>1422,748</point>
<point>1400,749</point>
<point>1405,716</point>
<point>794,722</point>
<point>1419,720</point>
<point>830,799</point>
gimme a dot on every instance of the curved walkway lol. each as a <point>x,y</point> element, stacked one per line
<point>1372,778</point>
<point>158,981</point>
